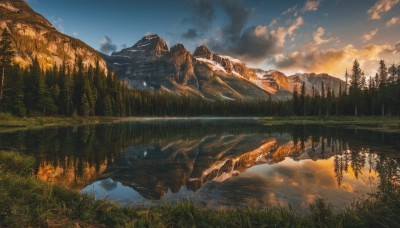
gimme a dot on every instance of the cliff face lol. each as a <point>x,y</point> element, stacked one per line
<point>35,37</point>
<point>149,64</point>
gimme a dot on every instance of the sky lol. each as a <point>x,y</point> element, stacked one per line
<point>321,36</point>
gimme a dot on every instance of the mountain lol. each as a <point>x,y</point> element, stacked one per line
<point>35,37</point>
<point>154,170</point>
<point>312,79</point>
<point>275,82</point>
<point>151,64</point>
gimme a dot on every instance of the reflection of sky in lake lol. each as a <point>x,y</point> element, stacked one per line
<point>213,163</point>
<point>297,183</point>
<point>114,191</point>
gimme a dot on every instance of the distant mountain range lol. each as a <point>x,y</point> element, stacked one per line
<point>151,64</point>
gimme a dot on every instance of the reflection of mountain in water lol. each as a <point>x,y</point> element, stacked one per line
<point>154,157</point>
<point>153,169</point>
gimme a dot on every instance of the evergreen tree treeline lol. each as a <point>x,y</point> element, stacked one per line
<point>359,96</point>
<point>88,91</point>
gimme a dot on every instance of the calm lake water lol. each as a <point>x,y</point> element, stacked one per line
<point>217,163</point>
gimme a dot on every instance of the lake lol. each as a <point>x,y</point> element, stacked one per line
<point>216,163</point>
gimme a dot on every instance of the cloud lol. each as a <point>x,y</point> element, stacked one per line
<point>335,62</point>
<point>107,46</point>
<point>381,7</point>
<point>203,16</point>
<point>190,34</point>
<point>392,21</point>
<point>74,33</point>
<point>318,37</point>
<point>296,25</point>
<point>253,44</point>
<point>291,10</point>
<point>368,36</point>
<point>238,16</point>
<point>311,5</point>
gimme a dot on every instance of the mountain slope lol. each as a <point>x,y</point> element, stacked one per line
<point>150,64</point>
<point>316,80</point>
<point>35,37</point>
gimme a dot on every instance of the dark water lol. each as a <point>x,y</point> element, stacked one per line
<point>212,162</point>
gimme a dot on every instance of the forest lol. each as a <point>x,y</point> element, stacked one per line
<point>81,90</point>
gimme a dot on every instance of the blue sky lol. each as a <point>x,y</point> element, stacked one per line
<point>292,36</point>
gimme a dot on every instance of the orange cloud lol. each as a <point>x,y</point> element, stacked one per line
<point>368,36</point>
<point>380,7</point>
<point>392,21</point>
<point>318,39</point>
<point>335,62</point>
<point>311,5</point>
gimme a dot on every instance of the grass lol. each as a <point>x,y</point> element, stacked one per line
<point>11,123</point>
<point>376,123</point>
<point>28,202</point>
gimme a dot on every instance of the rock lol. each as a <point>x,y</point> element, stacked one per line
<point>203,52</point>
<point>35,37</point>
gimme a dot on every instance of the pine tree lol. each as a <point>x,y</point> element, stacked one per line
<point>322,103</point>
<point>85,106</point>
<point>383,73</point>
<point>303,98</point>
<point>14,95</point>
<point>363,81</point>
<point>393,74</point>
<point>107,106</point>
<point>398,74</point>
<point>346,76</point>
<point>295,101</point>
<point>356,77</point>
<point>355,84</point>
<point>6,55</point>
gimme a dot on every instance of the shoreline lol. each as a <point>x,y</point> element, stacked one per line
<point>10,123</point>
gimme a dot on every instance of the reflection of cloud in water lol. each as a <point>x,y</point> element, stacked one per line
<point>290,182</point>
<point>108,184</point>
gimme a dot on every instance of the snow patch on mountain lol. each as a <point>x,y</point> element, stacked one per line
<point>215,66</point>
<point>233,60</point>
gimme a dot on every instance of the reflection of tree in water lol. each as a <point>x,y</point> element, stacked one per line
<point>94,148</point>
<point>351,148</point>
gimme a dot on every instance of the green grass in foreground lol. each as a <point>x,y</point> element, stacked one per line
<point>27,201</point>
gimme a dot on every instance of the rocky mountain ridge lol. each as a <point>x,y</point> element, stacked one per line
<point>151,64</point>
<point>35,37</point>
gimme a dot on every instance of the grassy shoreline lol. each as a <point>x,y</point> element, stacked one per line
<point>27,201</point>
<point>376,123</point>
<point>387,124</point>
